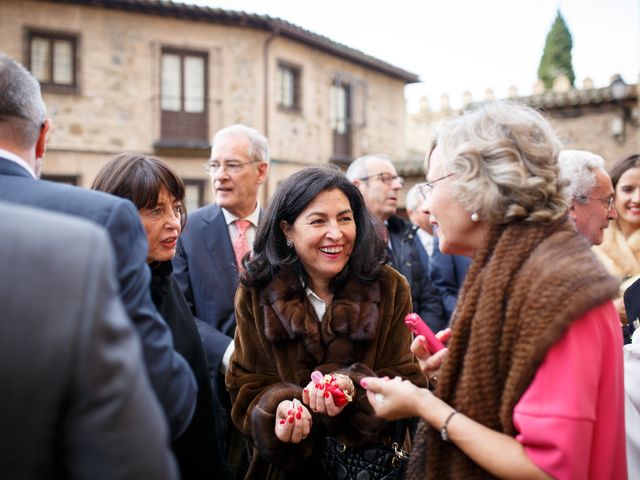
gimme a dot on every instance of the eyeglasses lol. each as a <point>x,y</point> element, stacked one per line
<point>606,202</point>
<point>232,167</point>
<point>385,178</point>
<point>426,188</point>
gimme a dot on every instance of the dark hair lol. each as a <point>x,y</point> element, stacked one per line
<point>271,253</point>
<point>140,178</point>
<point>622,166</point>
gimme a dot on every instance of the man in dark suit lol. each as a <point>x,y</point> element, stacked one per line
<point>209,249</point>
<point>376,178</point>
<point>205,264</point>
<point>23,132</point>
<point>76,401</point>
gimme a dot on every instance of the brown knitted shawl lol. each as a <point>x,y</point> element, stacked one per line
<point>524,288</point>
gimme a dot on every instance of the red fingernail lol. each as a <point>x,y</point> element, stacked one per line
<point>282,422</point>
<point>306,390</point>
<point>290,419</point>
<point>298,415</point>
<point>327,394</point>
<point>300,408</point>
<point>317,385</point>
<point>321,387</point>
<point>290,412</point>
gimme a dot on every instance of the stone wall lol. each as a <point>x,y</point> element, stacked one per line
<point>117,106</point>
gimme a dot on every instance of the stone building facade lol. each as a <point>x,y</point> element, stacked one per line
<point>605,120</point>
<point>162,77</point>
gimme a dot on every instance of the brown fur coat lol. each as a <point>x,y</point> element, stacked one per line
<point>279,342</point>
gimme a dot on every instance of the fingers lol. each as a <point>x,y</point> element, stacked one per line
<point>305,393</point>
<point>444,335</point>
<point>419,348</point>
<point>293,421</point>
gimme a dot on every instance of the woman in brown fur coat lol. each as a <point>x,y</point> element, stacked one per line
<point>316,295</point>
<point>531,385</point>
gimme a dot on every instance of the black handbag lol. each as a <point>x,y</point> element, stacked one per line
<point>370,462</point>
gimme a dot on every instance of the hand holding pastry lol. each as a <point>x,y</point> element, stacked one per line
<point>328,393</point>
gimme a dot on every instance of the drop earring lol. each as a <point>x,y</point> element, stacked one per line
<point>289,243</point>
<point>475,217</point>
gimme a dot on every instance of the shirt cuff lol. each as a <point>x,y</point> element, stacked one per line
<point>224,364</point>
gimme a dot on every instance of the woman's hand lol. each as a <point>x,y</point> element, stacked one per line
<point>395,398</point>
<point>315,395</point>
<point>430,364</point>
<point>293,421</point>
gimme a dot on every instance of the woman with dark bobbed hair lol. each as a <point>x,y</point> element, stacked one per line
<point>531,384</point>
<point>315,296</point>
<point>158,193</point>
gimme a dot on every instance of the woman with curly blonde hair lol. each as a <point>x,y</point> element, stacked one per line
<point>531,383</point>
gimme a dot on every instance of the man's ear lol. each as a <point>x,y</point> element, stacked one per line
<point>41,143</point>
<point>262,173</point>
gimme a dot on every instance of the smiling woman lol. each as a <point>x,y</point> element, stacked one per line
<point>316,296</point>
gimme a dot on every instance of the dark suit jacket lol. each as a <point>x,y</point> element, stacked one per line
<point>447,274</point>
<point>632,307</point>
<point>76,401</point>
<point>170,375</point>
<point>199,449</point>
<point>206,271</point>
<point>410,259</point>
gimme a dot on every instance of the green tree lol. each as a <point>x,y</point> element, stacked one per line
<point>556,58</point>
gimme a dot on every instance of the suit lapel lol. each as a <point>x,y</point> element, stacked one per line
<point>215,235</point>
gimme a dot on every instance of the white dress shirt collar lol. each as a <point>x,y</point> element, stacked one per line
<point>253,217</point>
<point>16,159</point>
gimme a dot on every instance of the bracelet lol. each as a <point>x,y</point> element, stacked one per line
<point>444,434</point>
<point>350,391</point>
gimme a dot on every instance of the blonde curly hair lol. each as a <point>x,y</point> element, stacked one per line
<point>505,160</point>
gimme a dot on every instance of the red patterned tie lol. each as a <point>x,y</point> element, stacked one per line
<point>240,244</point>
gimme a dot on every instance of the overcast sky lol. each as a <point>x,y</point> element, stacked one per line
<point>460,45</point>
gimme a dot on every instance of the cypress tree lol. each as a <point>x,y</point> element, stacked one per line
<point>556,58</point>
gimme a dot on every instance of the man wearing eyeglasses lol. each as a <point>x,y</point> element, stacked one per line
<point>590,193</point>
<point>377,179</point>
<point>210,249</point>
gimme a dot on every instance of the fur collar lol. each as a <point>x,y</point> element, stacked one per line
<point>288,315</point>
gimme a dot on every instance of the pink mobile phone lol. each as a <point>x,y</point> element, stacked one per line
<point>418,327</point>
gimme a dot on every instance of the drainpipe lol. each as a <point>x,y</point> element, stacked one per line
<point>265,130</point>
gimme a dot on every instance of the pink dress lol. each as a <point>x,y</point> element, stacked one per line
<point>571,418</point>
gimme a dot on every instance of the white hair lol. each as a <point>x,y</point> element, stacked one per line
<point>22,110</point>
<point>258,144</point>
<point>505,158</point>
<point>359,167</point>
<point>577,169</point>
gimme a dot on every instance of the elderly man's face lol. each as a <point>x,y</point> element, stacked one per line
<point>236,191</point>
<point>380,191</point>
<point>593,217</point>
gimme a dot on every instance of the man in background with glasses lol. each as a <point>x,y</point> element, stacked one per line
<point>210,249</point>
<point>377,179</point>
<point>589,193</point>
